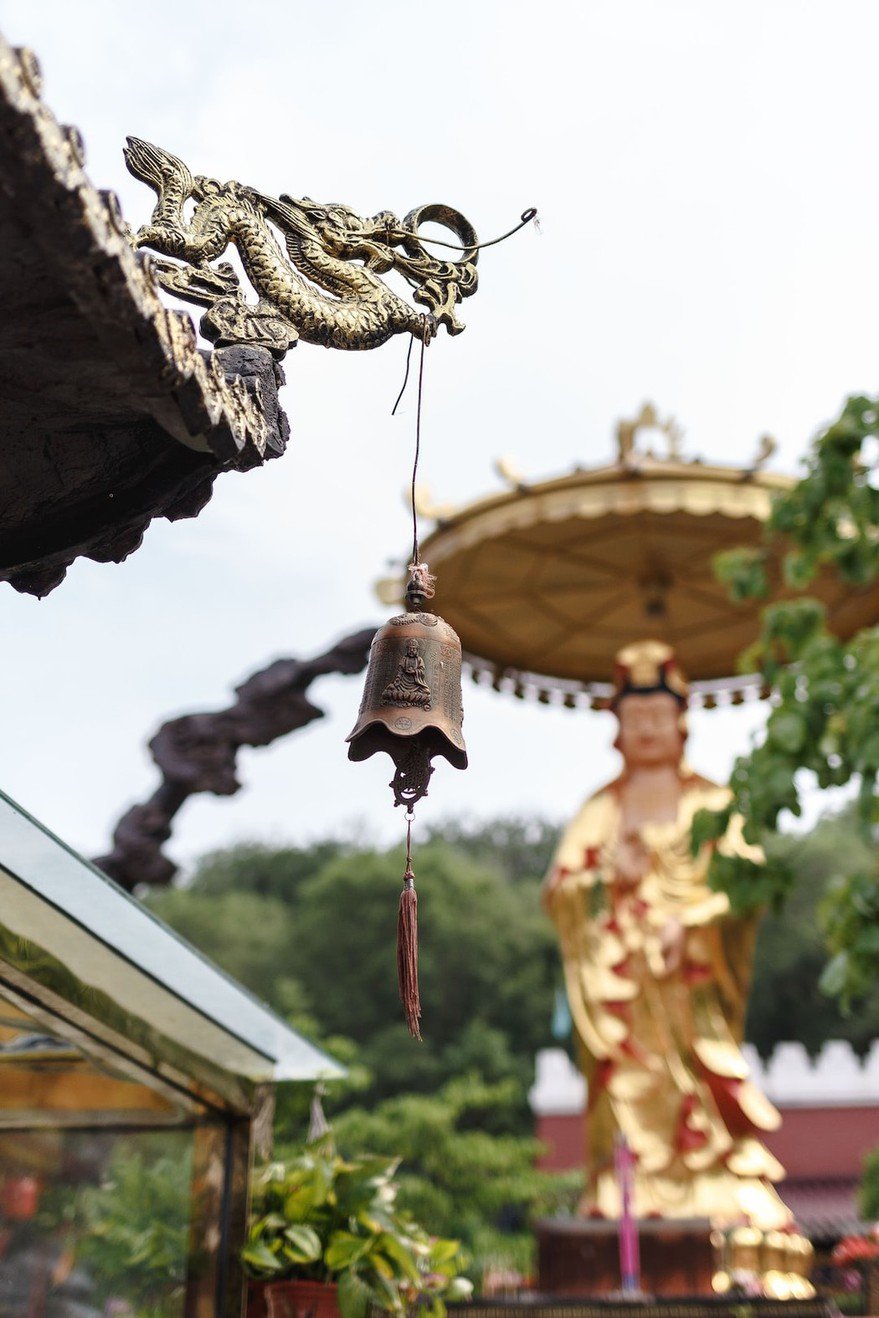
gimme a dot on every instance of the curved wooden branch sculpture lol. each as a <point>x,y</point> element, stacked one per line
<point>197,752</point>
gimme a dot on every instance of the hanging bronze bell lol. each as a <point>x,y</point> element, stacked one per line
<point>412,706</point>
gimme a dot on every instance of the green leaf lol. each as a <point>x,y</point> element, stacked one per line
<point>386,1294</point>
<point>375,1220</point>
<point>835,975</point>
<point>383,1267</point>
<point>708,826</point>
<point>743,571</point>
<point>394,1249</point>
<point>444,1251</point>
<point>304,1244</point>
<point>270,1222</point>
<point>343,1249</point>
<point>799,569</point>
<point>260,1259</point>
<point>354,1296</point>
<point>788,731</point>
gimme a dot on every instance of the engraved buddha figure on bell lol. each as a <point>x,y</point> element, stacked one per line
<point>409,684</point>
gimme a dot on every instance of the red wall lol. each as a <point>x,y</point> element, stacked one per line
<point>830,1141</point>
<point>812,1142</point>
<point>563,1138</point>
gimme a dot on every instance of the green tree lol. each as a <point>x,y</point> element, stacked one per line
<point>786,999</point>
<point>266,871</point>
<point>487,955</point>
<point>312,931</point>
<point>254,921</point>
<point>824,724</point>
<point>131,1232</point>
<point>518,848</point>
<point>248,935</point>
<point>457,1176</point>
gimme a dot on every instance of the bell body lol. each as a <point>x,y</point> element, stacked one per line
<point>412,696</point>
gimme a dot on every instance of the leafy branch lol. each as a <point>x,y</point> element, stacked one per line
<point>824,723</point>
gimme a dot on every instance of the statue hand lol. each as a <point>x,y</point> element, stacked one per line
<point>671,943</point>
<point>632,860</point>
<point>550,888</point>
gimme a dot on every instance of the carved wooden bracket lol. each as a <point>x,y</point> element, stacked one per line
<point>112,415</point>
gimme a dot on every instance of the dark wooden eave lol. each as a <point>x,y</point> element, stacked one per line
<point>110,414</point>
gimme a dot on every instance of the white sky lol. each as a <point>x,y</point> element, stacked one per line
<point>706,179</point>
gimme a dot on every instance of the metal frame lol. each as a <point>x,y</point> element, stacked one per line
<point>91,966</point>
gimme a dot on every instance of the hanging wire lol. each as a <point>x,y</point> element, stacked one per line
<point>410,815</point>
<point>407,914</point>
<point>405,377</point>
<point>415,557</point>
<point>527,216</point>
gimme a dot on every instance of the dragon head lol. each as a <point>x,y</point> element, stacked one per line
<point>384,242</point>
<point>345,234</point>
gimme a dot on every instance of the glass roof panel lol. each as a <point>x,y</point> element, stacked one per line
<point>121,948</point>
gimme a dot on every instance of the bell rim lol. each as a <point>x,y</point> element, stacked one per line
<point>456,755</point>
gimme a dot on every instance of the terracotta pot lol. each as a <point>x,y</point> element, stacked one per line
<point>20,1198</point>
<point>292,1299</point>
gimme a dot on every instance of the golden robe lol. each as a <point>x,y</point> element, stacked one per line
<point>660,1038</point>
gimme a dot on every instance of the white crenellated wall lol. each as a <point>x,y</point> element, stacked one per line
<point>559,1089</point>
<point>836,1078</point>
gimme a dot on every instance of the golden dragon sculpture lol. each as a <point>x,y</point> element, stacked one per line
<point>324,287</point>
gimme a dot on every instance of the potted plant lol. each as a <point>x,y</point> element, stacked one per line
<point>326,1238</point>
<point>862,1252</point>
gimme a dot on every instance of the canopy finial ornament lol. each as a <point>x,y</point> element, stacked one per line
<point>647,419</point>
<point>508,470</point>
<point>427,506</point>
<point>324,286</point>
<point>766,448</point>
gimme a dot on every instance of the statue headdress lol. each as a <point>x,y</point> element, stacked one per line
<point>645,668</point>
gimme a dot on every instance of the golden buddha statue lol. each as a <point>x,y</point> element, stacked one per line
<point>657,971</point>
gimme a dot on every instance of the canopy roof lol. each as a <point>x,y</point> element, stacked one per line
<point>545,582</point>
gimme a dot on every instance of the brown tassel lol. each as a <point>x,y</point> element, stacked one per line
<point>407,952</point>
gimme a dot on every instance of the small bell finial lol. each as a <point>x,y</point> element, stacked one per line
<point>419,587</point>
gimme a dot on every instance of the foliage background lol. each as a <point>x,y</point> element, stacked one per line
<point>311,930</point>
<point>823,729</point>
